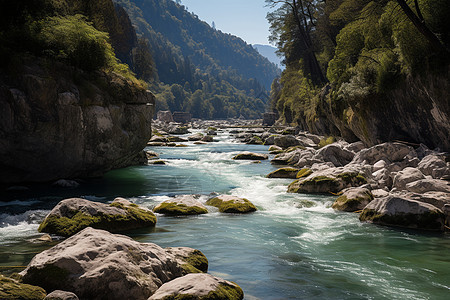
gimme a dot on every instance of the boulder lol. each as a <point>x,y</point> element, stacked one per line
<point>326,182</point>
<point>12,289</point>
<point>192,260</point>
<point>182,205</point>
<point>73,215</point>
<point>428,185</point>
<point>433,165</point>
<point>195,137</point>
<point>151,154</point>
<point>199,287</point>
<point>176,139</point>
<point>353,199</point>
<point>158,139</point>
<point>95,264</point>
<point>406,176</point>
<point>250,156</point>
<point>255,140</point>
<point>208,139</point>
<point>275,149</point>
<point>61,295</point>
<point>270,140</point>
<point>286,141</point>
<point>389,152</point>
<point>156,162</point>
<point>284,173</point>
<point>66,183</point>
<point>232,204</point>
<point>177,129</point>
<point>355,147</point>
<point>397,211</point>
<point>335,154</point>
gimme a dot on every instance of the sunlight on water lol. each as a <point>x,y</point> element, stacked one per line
<point>294,247</point>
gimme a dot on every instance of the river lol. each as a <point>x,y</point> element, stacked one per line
<point>294,247</point>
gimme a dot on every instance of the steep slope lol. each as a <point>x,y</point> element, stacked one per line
<point>269,52</point>
<point>189,53</point>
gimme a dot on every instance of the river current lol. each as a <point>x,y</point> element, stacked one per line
<point>294,247</point>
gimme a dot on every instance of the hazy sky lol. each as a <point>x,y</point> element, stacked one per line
<point>243,18</point>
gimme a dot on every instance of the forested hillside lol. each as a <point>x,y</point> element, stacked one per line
<point>371,70</point>
<point>195,67</point>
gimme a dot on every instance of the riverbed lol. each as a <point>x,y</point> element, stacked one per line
<point>294,247</point>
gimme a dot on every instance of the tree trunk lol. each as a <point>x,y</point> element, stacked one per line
<point>422,28</point>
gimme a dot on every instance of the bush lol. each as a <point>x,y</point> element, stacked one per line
<point>75,39</point>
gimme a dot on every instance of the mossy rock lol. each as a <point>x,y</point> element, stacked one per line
<point>353,200</point>
<point>255,140</point>
<point>326,141</point>
<point>181,206</point>
<point>125,217</point>
<point>400,212</point>
<point>284,173</point>
<point>250,156</point>
<point>315,185</point>
<point>13,289</point>
<point>191,260</point>
<point>304,173</point>
<point>293,148</point>
<point>231,204</point>
<point>353,179</point>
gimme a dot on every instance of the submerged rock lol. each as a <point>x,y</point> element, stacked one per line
<point>12,289</point>
<point>250,156</point>
<point>397,211</point>
<point>182,205</point>
<point>73,215</point>
<point>353,199</point>
<point>95,264</point>
<point>284,173</point>
<point>232,204</point>
<point>199,287</point>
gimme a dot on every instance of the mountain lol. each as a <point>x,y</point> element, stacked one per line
<point>197,68</point>
<point>269,52</point>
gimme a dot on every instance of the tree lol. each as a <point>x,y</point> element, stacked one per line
<point>419,23</point>
<point>297,19</point>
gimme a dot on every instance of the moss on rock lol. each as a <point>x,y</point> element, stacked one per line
<point>353,200</point>
<point>284,173</point>
<point>176,209</point>
<point>133,217</point>
<point>318,184</point>
<point>353,179</point>
<point>229,204</point>
<point>12,289</point>
<point>304,173</point>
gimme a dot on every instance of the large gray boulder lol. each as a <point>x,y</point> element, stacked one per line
<point>199,287</point>
<point>286,141</point>
<point>434,165</point>
<point>95,264</point>
<point>389,152</point>
<point>428,185</point>
<point>73,215</point>
<point>51,128</point>
<point>336,154</point>
<point>402,212</point>
<point>406,176</point>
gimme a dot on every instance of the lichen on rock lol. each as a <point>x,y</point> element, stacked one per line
<point>232,204</point>
<point>181,205</point>
<point>73,215</point>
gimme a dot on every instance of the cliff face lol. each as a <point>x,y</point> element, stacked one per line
<point>58,122</point>
<point>418,111</point>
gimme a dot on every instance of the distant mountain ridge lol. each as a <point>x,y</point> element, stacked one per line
<point>229,76</point>
<point>270,53</point>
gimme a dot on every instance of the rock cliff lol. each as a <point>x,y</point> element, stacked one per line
<point>59,122</point>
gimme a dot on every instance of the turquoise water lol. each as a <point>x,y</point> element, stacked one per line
<point>294,247</point>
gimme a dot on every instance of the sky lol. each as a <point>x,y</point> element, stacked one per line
<point>243,18</point>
